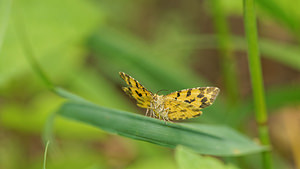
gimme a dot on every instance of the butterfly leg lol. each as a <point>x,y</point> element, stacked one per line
<point>151,113</point>
<point>165,116</point>
<point>158,115</point>
<point>147,112</point>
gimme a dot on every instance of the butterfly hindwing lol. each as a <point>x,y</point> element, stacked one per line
<point>199,97</point>
<point>136,91</point>
<point>178,110</point>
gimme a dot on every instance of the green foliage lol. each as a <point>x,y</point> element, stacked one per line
<point>81,45</point>
<point>187,159</point>
<point>55,36</point>
<point>123,52</point>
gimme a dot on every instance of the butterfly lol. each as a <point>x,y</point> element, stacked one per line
<point>179,105</point>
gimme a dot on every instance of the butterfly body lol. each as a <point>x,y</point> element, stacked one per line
<point>157,107</point>
<point>179,105</point>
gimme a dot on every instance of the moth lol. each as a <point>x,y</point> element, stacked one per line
<point>179,105</point>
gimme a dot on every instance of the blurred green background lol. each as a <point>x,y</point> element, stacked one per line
<point>81,45</point>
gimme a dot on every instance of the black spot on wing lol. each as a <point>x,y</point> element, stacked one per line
<point>128,79</point>
<point>178,94</point>
<point>136,84</point>
<point>188,92</point>
<point>140,94</point>
<point>189,101</point>
<point>190,106</point>
<point>204,100</point>
<point>200,95</point>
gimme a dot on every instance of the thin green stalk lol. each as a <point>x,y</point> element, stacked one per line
<point>256,79</point>
<point>45,154</point>
<point>227,57</point>
<point>28,50</point>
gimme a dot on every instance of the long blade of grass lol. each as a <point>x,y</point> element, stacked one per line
<point>227,57</point>
<point>205,139</point>
<point>67,95</point>
<point>256,79</point>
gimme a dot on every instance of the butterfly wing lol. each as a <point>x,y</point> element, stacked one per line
<point>185,104</point>
<point>199,97</point>
<point>178,110</point>
<point>137,91</point>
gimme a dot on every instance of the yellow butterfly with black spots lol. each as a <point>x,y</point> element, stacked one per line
<point>179,105</point>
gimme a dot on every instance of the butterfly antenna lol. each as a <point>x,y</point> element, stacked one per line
<point>161,90</point>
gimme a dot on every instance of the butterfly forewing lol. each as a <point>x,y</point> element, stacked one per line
<point>200,97</point>
<point>136,91</point>
<point>143,98</point>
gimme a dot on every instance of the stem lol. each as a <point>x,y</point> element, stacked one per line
<point>226,54</point>
<point>256,79</point>
<point>45,154</point>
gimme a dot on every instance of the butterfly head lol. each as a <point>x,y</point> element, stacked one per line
<point>155,97</point>
<point>157,103</point>
<point>157,100</point>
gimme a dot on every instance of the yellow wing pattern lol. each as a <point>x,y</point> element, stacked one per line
<point>136,91</point>
<point>199,97</point>
<point>185,104</point>
<point>178,110</point>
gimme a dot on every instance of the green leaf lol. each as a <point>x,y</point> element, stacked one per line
<point>67,95</point>
<point>187,159</point>
<point>205,139</point>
